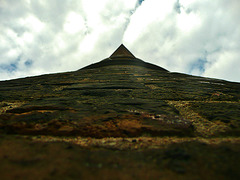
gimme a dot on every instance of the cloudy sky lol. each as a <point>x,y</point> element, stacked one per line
<point>198,37</point>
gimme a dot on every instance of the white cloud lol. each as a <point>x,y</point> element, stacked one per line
<point>228,60</point>
<point>188,21</point>
<point>74,23</point>
<point>190,32</point>
<point>32,23</point>
<point>191,36</point>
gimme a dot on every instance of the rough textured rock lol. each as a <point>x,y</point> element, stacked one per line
<point>122,97</point>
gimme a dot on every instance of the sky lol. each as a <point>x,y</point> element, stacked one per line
<point>197,37</point>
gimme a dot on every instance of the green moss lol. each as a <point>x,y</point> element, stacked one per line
<point>122,89</point>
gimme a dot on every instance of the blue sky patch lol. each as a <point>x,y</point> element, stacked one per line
<point>10,67</point>
<point>140,1</point>
<point>28,63</point>
<point>199,64</point>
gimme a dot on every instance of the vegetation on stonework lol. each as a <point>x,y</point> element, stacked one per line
<point>119,121</point>
<point>91,102</point>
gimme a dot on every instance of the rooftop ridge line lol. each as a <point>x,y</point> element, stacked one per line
<point>122,51</point>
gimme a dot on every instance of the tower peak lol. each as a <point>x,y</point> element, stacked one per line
<point>122,51</point>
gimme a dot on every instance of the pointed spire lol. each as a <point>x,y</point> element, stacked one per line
<point>122,51</point>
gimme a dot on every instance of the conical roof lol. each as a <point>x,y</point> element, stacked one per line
<point>122,51</point>
<point>122,56</point>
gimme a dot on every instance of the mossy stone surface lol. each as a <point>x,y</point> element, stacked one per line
<point>119,121</point>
